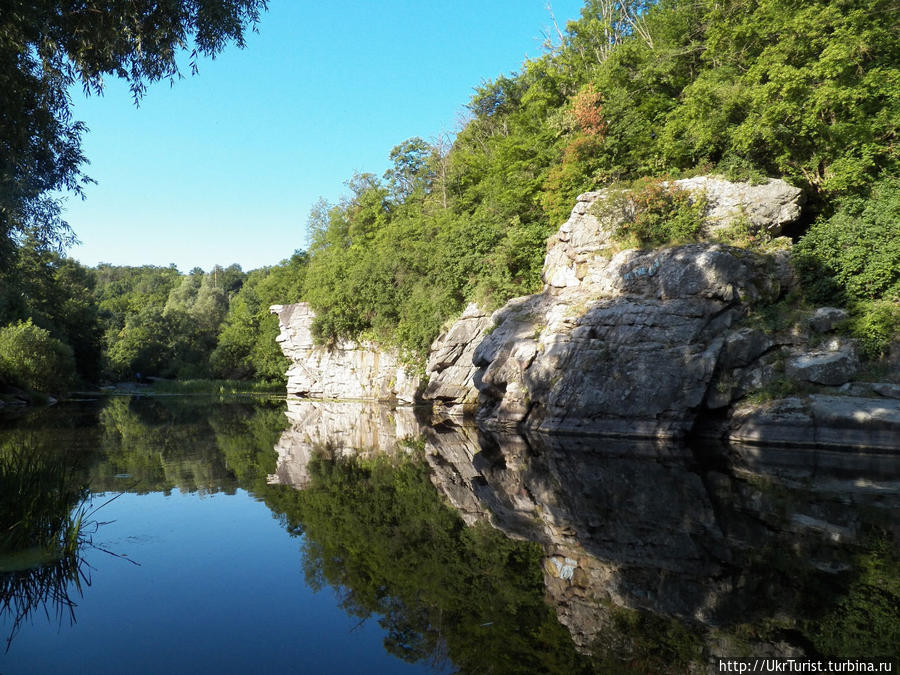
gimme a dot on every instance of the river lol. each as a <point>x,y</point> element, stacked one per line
<point>255,534</point>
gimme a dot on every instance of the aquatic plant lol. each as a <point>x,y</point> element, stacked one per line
<point>39,499</point>
<point>46,521</point>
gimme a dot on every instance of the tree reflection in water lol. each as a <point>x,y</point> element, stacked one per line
<point>376,530</point>
<point>493,552</point>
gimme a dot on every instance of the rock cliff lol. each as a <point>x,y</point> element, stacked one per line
<point>648,343</point>
<point>345,370</point>
<point>637,343</point>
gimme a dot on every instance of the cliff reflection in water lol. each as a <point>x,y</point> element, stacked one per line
<point>651,555</point>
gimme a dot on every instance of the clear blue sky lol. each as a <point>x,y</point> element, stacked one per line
<point>224,166</point>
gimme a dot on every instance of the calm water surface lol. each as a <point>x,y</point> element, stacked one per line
<point>233,536</point>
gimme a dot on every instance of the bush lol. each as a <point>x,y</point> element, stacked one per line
<point>655,213</point>
<point>31,359</point>
<point>876,325</point>
<point>855,254</point>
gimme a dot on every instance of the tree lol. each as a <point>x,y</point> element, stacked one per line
<point>46,47</point>
<point>411,172</point>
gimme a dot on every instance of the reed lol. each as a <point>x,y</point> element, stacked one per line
<point>40,499</point>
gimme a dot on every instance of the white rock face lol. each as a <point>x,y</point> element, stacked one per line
<point>770,205</point>
<point>347,370</point>
<point>572,251</point>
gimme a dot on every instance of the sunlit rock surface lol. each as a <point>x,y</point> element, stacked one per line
<point>632,343</point>
<point>345,370</point>
<point>647,344</point>
<point>631,351</point>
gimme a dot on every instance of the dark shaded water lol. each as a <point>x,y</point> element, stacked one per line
<point>346,537</point>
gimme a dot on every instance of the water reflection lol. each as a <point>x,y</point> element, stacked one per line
<point>45,522</point>
<point>656,555</point>
<point>497,552</point>
<point>60,466</point>
<point>161,444</point>
<point>448,595</point>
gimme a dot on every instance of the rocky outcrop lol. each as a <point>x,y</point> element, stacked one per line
<point>344,370</point>
<point>829,421</point>
<point>646,343</point>
<point>630,351</point>
<point>637,343</point>
<point>587,234</point>
<point>769,205</point>
<point>627,342</point>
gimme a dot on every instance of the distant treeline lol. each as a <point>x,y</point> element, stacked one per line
<point>808,90</point>
<point>68,323</point>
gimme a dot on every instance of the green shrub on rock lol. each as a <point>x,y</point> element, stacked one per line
<point>855,254</point>
<point>876,325</point>
<point>853,258</point>
<point>32,359</point>
<point>654,213</point>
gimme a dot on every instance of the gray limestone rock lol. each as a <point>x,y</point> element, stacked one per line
<point>630,351</point>
<point>769,206</point>
<point>833,366</point>
<point>346,370</point>
<point>744,346</point>
<point>449,367</point>
<point>820,421</point>
<point>584,237</point>
<point>826,319</point>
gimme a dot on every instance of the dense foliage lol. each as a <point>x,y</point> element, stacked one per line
<point>31,358</point>
<point>853,257</point>
<point>158,322</point>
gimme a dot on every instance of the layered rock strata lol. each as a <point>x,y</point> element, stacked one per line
<point>450,368</point>
<point>646,343</point>
<point>632,350</point>
<point>344,370</point>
